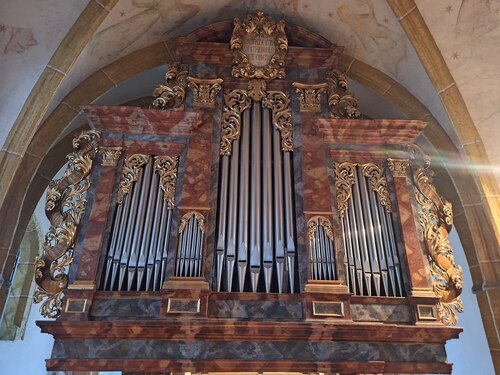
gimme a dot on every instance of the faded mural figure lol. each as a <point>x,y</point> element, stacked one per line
<point>173,13</point>
<point>16,39</point>
<point>475,18</point>
<point>372,35</point>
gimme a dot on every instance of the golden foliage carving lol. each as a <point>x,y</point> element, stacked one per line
<point>342,103</point>
<point>65,206</point>
<point>204,91</point>
<point>319,221</point>
<point>279,104</point>
<point>166,167</point>
<point>258,26</point>
<point>236,102</point>
<point>344,179</point>
<point>130,174</point>
<point>310,95</point>
<point>171,94</point>
<point>193,214</point>
<point>378,183</point>
<point>436,220</point>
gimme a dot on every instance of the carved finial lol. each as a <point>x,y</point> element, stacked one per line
<point>171,94</point>
<point>342,103</point>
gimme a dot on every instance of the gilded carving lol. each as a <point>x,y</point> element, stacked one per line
<point>236,102</point>
<point>131,172</point>
<point>204,91</point>
<point>166,167</point>
<point>259,46</point>
<point>110,156</point>
<point>171,94</point>
<point>310,95</point>
<point>342,103</point>
<point>436,220</point>
<point>279,104</point>
<point>319,221</point>
<point>398,167</point>
<point>378,183</point>
<point>257,89</point>
<point>344,179</point>
<point>197,216</point>
<point>65,206</point>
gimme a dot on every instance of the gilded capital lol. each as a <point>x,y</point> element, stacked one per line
<point>310,95</point>
<point>110,156</point>
<point>398,167</point>
<point>204,91</point>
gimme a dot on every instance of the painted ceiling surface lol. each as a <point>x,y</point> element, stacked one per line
<point>464,30</point>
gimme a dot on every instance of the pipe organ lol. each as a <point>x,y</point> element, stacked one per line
<point>252,219</point>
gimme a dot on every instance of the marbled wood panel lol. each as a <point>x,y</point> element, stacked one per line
<point>255,310</point>
<point>214,182</point>
<point>140,121</point>
<point>136,367</point>
<point>370,131</point>
<point>367,155</point>
<point>317,195</point>
<point>196,188</point>
<point>220,54</point>
<point>125,308</point>
<point>95,230</point>
<point>381,313</point>
<point>148,145</point>
<point>413,250</point>
<point>300,224</point>
<point>247,350</point>
<point>219,329</point>
<point>202,295</point>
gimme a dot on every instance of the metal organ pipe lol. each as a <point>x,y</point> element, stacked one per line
<point>278,211</point>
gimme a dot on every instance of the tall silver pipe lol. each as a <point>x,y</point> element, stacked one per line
<point>188,255</point>
<point>313,258</point>
<point>221,237</point>
<point>121,237</point>
<point>144,238</point>
<point>153,237</point>
<point>349,255</point>
<point>232,214</point>
<point>137,246</point>
<point>255,214</point>
<point>279,241</point>
<point>381,244</point>
<point>289,225</point>
<point>267,222</point>
<point>134,196</point>
<point>387,247</point>
<point>355,237</point>
<point>369,230</point>
<point>394,250</point>
<point>164,249</point>
<point>180,257</point>
<point>361,230</point>
<point>117,224</point>
<point>161,242</point>
<point>243,204</point>
<point>199,253</point>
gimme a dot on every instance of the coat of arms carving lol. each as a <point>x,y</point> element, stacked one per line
<point>259,45</point>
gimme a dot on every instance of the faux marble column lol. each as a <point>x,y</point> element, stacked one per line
<point>415,259</point>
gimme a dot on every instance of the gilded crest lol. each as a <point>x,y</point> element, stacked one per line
<point>259,45</point>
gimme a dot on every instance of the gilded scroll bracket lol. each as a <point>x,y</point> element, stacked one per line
<point>171,94</point>
<point>436,220</point>
<point>341,102</point>
<point>65,206</point>
<point>166,167</point>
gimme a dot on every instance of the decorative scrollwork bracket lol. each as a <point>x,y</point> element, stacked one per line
<point>436,220</point>
<point>65,206</point>
<point>171,94</point>
<point>342,103</point>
